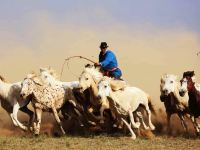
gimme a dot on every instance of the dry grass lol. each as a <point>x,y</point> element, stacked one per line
<point>13,138</point>
<point>96,142</point>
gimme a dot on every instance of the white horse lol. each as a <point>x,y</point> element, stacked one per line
<point>11,101</point>
<point>174,103</point>
<point>49,76</point>
<point>44,98</point>
<point>128,100</point>
<point>89,80</point>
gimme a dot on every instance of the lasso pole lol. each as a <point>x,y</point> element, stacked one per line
<point>67,59</point>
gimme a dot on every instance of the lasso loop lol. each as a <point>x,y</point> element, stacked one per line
<point>67,60</point>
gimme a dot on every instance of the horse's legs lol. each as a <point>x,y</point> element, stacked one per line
<point>195,124</point>
<point>58,119</point>
<point>101,114</point>
<point>152,127</point>
<point>13,120</point>
<point>15,111</point>
<point>139,114</point>
<point>29,112</point>
<point>38,121</point>
<point>168,122</point>
<point>133,136</point>
<point>184,125</point>
<point>134,124</point>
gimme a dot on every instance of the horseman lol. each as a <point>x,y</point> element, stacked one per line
<point>108,62</point>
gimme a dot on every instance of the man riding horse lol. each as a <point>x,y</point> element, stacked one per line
<point>108,62</point>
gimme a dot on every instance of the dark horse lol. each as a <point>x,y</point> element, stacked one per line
<point>188,85</point>
<point>169,102</point>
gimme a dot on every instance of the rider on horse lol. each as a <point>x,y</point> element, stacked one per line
<point>108,62</point>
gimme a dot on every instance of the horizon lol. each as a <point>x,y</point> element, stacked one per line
<point>149,38</point>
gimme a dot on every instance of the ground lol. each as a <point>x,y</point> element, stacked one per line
<point>97,142</point>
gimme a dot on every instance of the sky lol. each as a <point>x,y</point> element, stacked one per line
<point>149,37</point>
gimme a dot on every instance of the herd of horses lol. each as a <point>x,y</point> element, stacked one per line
<point>95,100</point>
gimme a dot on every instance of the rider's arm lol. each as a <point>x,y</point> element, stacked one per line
<point>107,60</point>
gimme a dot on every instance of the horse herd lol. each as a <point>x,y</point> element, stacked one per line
<point>95,99</point>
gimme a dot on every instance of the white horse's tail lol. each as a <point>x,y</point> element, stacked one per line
<point>151,106</point>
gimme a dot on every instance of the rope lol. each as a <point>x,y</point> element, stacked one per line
<point>67,60</point>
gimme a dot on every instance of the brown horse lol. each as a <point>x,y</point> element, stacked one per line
<point>188,85</point>
<point>173,102</point>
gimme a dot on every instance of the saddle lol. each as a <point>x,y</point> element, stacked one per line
<point>118,84</point>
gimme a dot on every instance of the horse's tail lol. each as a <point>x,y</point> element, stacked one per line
<point>151,106</point>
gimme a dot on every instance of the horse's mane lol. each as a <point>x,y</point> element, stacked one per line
<point>2,78</point>
<point>32,74</point>
<point>52,72</point>
<point>95,72</point>
<point>165,76</point>
<point>188,74</point>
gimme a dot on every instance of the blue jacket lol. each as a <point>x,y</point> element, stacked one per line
<point>108,61</point>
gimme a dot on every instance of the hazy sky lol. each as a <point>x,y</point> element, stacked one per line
<point>149,37</point>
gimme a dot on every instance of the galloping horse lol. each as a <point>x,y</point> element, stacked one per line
<point>12,102</point>
<point>88,81</point>
<point>44,98</point>
<point>128,100</point>
<point>188,86</point>
<point>49,76</point>
<point>77,105</point>
<point>174,103</point>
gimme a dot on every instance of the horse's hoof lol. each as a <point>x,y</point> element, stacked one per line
<point>92,123</point>
<point>90,109</point>
<point>114,126</point>
<point>133,137</point>
<point>146,128</point>
<point>31,129</point>
<point>152,127</point>
<point>137,125</point>
<point>25,129</point>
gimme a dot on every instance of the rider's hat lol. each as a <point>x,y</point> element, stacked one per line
<point>103,45</point>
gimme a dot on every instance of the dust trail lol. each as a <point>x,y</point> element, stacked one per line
<point>49,126</point>
<point>160,121</point>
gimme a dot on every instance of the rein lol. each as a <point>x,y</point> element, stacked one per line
<point>67,60</point>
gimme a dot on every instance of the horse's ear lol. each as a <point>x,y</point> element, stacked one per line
<point>42,69</point>
<point>193,74</point>
<point>162,77</point>
<point>33,73</point>
<point>88,66</point>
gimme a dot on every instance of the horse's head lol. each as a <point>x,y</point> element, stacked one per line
<point>2,79</point>
<point>168,84</point>
<point>28,85</point>
<point>104,87</point>
<point>187,85</point>
<point>85,81</point>
<point>189,74</point>
<point>89,75</point>
<point>48,75</point>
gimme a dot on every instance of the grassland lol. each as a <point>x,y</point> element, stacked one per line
<point>97,142</point>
